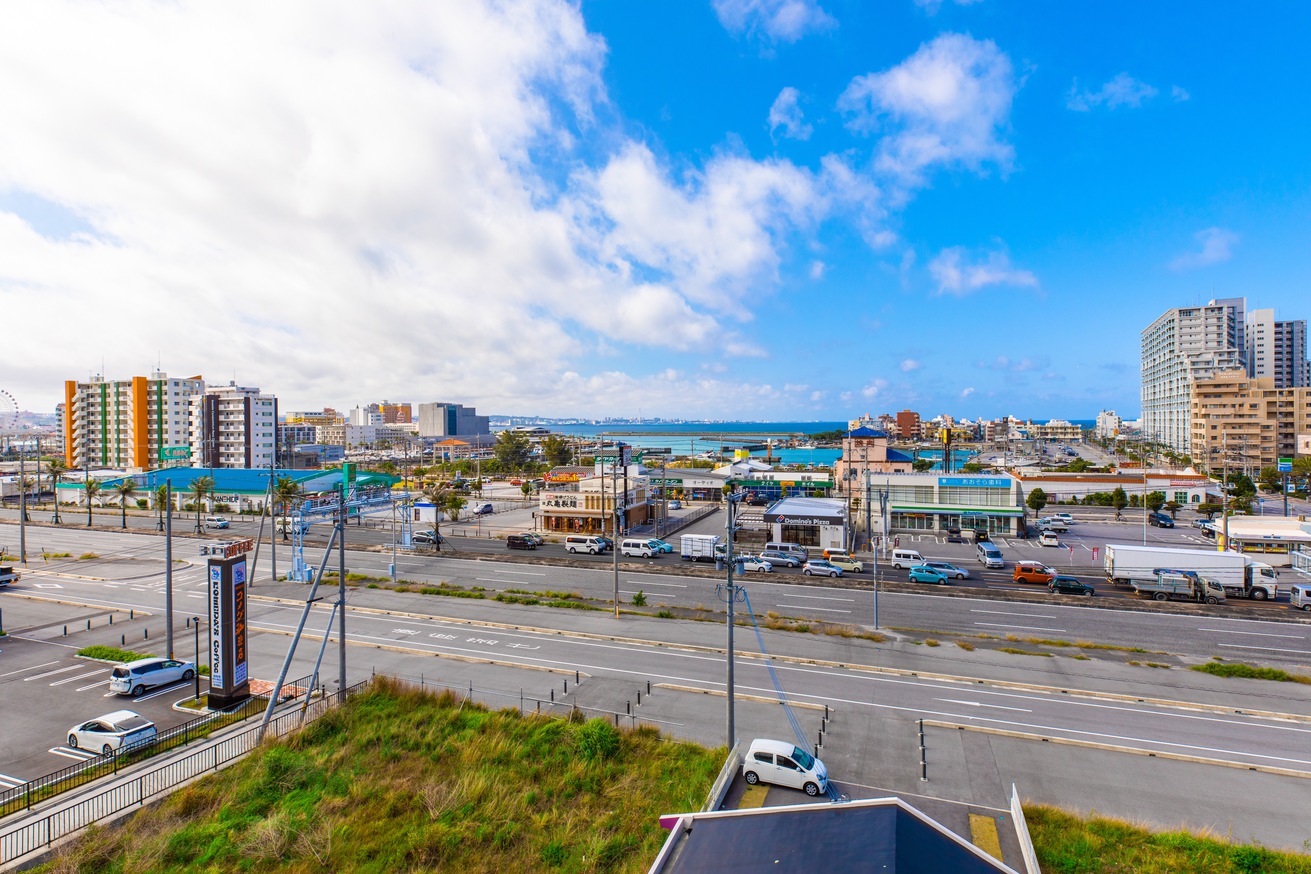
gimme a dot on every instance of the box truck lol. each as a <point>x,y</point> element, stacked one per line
<point>1239,575</point>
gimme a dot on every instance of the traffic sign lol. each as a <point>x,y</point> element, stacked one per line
<point>174,453</point>
<point>1285,465</point>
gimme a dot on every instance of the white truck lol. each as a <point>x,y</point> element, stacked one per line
<point>1239,575</point>
<point>701,547</point>
<point>1180,584</point>
<point>7,575</point>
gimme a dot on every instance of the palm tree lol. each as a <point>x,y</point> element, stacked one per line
<point>125,489</point>
<point>437,494</point>
<point>56,468</point>
<point>286,492</point>
<point>200,487</point>
<point>92,489</point>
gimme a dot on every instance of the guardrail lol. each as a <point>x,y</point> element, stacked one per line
<point>719,789</point>
<point>1022,833</point>
<point>47,786</point>
<point>41,834</point>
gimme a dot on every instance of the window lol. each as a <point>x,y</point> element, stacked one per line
<point>767,758</point>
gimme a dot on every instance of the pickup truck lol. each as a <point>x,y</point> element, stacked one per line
<point>8,575</point>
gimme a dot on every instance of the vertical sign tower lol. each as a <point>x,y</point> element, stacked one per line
<point>229,677</point>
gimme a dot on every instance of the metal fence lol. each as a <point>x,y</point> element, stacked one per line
<point>41,788</point>
<point>42,833</point>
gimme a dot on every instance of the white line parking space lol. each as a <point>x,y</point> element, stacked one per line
<point>52,673</point>
<point>70,753</point>
<point>78,677</point>
<point>8,782</point>
<point>163,690</point>
<point>31,668</point>
<point>1017,627</point>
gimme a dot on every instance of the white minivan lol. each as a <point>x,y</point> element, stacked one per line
<point>1299,595</point>
<point>906,558</point>
<point>589,543</point>
<point>642,548</point>
<point>990,555</point>
<point>777,761</point>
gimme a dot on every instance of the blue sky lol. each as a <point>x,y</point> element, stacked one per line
<point>780,209</point>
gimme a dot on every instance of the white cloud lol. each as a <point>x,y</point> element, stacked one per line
<point>909,364</point>
<point>872,389</point>
<point>817,269</point>
<point>947,104</point>
<point>1215,245</point>
<point>932,6</point>
<point>960,272</point>
<point>1122,90</point>
<point>1179,95</point>
<point>967,392</point>
<point>786,113</point>
<point>776,20</point>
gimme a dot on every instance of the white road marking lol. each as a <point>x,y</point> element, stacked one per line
<point>822,598</point>
<point>810,607</point>
<point>1254,633</point>
<point>492,580</point>
<point>78,677</point>
<point>164,690</point>
<point>525,573</point>
<point>92,686</point>
<point>47,585</point>
<point>70,753</point>
<point>649,583</point>
<point>30,668</point>
<point>52,673</point>
<point>1267,648</point>
<point>981,704</point>
<point>635,591</point>
<point>1021,627</point>
<point>1024,615</point>
<point>9,782</point>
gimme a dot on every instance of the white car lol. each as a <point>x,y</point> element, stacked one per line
<point>215,522</point>
<point>1064,517</point>
<point>111,732</point>
<point>777,761</point>
<point>821,567</point>
<point>1049,538</point>
<point>752,563</point>
<point>1053,523</point>
<point>675,504</point>
<point>133,678</point>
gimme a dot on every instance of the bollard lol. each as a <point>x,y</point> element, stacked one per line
<point>639,697</point>
<point>819,742</point>
<point>88,625</point>
<point>131,614</point>
<point>577,680</point>
<point>628,708</point>
<point>111,618</point>
<point>826,713</point>
<point>65,631</point>
<point>566,687</point>
<point>146,635</point>
<point>122,640</point>
<point>552,696</point>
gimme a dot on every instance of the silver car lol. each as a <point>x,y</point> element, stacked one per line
<point>133,678</point>
<point>111,732</point>
<point>948,569</point>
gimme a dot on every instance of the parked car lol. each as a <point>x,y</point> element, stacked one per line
<point>758,501</point>
<point>215,522</point>
<point>752,563</point>
<point>662,545</point>
<point>133,678</point>
<point>821,567</point>
<point>1069,586</point>
<point>847,564</point>
<point>1053,523</point>
<point>518,541</point>
<point>111,732</point>
<point>953,536</point>
<point>1049,538</point>
<point>780,559</point>
<point>922,573</point>
<point>675,504</point>
<point>1160,520</point>
<point>484,510</point>
<point>430,538</point>
<point>1204,524</point>
<point>784,764</point>
<point>948,568</point>
<point>1064,517</point>
<point>1033,572</point>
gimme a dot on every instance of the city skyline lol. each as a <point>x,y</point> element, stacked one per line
<point>542,208</point>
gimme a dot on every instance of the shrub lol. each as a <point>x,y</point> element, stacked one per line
<point>597,739</point>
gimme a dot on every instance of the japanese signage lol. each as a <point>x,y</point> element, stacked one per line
<point>569,501</point>
<point>976,482</point>
<point>1285,465</point>
<point>229,680</point>
<point>174,453</point>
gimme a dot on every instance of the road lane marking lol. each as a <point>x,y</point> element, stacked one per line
<point>649,583</point>
<point>1023,615</point>
<point>1267,648</point>
<point>92,686</point>
<point>823,598</point>
<point>1021,627</point>
<point>491,580</point>
<point>1254,633</point>
<point>164,690</point>
<point>981,704</point>
<point>78,677</point>
<point>70,753</point>
<point>524,573</point>
<point>810,607</point>
<point>654,594</point>
<point>9,782</point>
<point>29,668</point>
<point>52,673</point>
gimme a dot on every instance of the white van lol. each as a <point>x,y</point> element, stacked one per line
<point>777,761</point>
<point>796,550</point>
<point>906,558</point>
<point>588,543</point>
<point>990,555</point>
<point>639,547</point>
<point>1299,595</point>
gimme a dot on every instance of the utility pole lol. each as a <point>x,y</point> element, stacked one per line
<point>1224,488</point>
<point>22,502</point>
<point>168,569</point>
<point>731,595</point>
<point>1142,456</point>
<point>341,588</point>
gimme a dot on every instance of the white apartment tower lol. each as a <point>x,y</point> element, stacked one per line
<point>1276,349</point>
<point>1183,345</point>
<point>139,422</point>
<point>233,426</point>
<point>1108,424</point>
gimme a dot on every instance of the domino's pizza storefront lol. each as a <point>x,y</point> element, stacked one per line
<point>816,523</point>
<point>933,502</point>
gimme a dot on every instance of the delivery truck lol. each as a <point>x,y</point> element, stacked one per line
<point>1181,585</point>
<point>1239,575</point>
<point>701,547</point>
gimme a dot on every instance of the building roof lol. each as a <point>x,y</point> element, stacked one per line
<point>899,456</point>
<point>867,432</point>
<point>230,481</point>
<point>882,834</point>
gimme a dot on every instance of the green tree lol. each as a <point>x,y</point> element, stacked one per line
<point>125,489</point>
<point>971,467</point>
<point>527,488</point>
<point>453,504</point>
<point>1172,507</point>
<point>56,467</point>
<point>512,450</point>
<point>201,487</point>
<point>92,490</point>
<point>1155,500</point>
<point>1119,500</point>
<point>557,450</point>
<point>1037,500</point>
<point>920,465</point>
<point>286,494</point>
<point>1209,509</point>
<point>439,495</point>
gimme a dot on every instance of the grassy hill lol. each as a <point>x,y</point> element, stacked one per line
<point>398,780</point>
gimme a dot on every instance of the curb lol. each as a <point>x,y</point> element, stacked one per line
<point>803,705</point>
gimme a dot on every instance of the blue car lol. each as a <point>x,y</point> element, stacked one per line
<point>661,546</point>
<point>924,574</point>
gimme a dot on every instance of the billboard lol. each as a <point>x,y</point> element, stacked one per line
<point>229,668</point>
<point>174,453</point>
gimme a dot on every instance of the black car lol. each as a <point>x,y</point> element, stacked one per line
<point>1160,520</point>
<point>518,541</point>
<point>1069,586</point>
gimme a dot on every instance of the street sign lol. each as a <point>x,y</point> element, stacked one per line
<point>174,453</point>
<point>1285,465</point>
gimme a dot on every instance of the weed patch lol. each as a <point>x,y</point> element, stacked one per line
<point>113,654</point>
<point>1250,672</point>
<point>87,556</point>
<point>1017,651</point>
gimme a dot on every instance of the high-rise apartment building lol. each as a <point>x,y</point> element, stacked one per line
<point>233,426</point>
<point>908,425</point>
<point>1276,349</point>
<point>131,423</point>
<point>1181,347</point>
<point>1108,424</point>
<point>451,420</point>
<point>1246,419</point>
<point>396,414</point>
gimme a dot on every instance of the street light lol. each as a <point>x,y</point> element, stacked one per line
<point>195,621</point>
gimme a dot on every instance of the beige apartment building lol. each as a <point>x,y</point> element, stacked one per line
<point>1248,417</point>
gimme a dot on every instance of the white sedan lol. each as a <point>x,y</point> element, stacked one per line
<point>1049,538</point>
<point>111,732</point>
<point>751,563</point>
